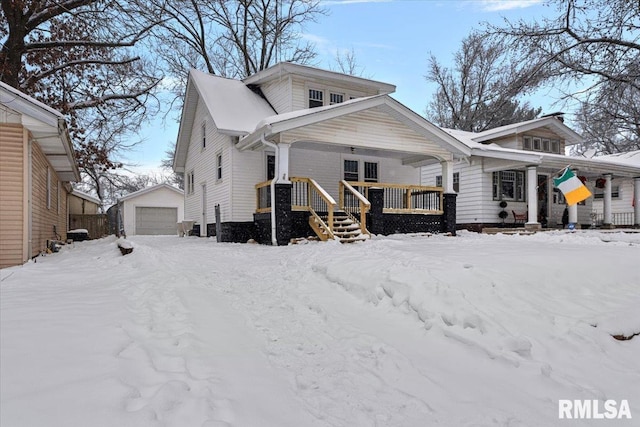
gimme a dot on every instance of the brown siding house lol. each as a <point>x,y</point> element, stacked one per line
<point>36,166</point>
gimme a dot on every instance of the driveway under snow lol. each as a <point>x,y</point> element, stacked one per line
<point>472,330</point>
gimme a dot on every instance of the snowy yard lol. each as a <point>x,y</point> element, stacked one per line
<point>472,330</point>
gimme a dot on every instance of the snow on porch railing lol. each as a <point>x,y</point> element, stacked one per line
<point>401,198</point>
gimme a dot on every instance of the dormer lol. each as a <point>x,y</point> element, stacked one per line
<point>290,87</point>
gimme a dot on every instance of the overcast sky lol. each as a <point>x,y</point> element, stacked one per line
<point>391,40</point>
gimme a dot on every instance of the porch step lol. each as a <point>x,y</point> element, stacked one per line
<point>344,228</point>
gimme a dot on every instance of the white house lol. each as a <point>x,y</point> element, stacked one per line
<point>295,150</point>
<point>516,164</point>
<point>312,144</point>
<point>623,198</point>
<point>153,210</point>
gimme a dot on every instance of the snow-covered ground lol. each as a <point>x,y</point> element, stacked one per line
<point>473,330</point>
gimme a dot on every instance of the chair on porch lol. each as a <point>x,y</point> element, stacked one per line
<point>519,218</point>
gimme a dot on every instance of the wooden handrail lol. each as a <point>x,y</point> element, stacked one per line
<point>363,204</point>
<point>407,197</point>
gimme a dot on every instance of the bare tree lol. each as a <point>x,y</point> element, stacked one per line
<point>80,57</point>
<point>347,63</point>
<point>483,88</point>
<point>591,47</point>
<point>231,38</point>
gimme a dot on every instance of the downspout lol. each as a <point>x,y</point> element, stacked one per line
<point>274,240</point>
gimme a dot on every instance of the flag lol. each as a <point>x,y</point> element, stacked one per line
<point>572,188</point>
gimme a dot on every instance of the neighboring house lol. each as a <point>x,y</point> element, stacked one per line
<point>151,211</point>
<point>83,204</point>
<point>516,164</point>
<point>294,150</point>
<point>85,213</point>
<point>623,198</point>
<point>37,164</point>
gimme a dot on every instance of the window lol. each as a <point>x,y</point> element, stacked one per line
<point>336,98</point>
<point>48,188</point>
<point>351,170</point>
<point>316,98</point>
<point>190,182</point>
<point>219,167</point>
<point>555,146</point>
<point>508,185</point>
<point>456,181</point>
<point>527,143</point>
<point>546,145</point>
<point>598,193</point>
<point>204,135</point>
<point>370,172</point>
<point>536,144</point>
<point>271,166</point>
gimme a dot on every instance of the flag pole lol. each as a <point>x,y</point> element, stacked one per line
<point>553,175</point>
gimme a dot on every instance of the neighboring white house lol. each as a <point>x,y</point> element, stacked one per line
<point>516,164</point>
<point>153,210</point>
<point>623,201</point>
<point>295,150</point>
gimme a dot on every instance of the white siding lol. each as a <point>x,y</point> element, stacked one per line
<point>249,169</point>
<point>278,92</point>
<point>300,90</point>
<point>161,197</point>
<point>620,204</point>
<point>203,163</point>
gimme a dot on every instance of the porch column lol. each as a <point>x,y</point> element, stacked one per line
<point>447,176</point>
<point>607,222</point>
<point>282,164</point>
<point>532,198</point>
<point>636,202</point>
<point>573,214</point>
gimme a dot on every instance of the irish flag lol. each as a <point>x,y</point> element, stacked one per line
<point>572,188</point>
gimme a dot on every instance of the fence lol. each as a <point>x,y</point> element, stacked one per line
<point>96,225</point>
<point>617,218</point>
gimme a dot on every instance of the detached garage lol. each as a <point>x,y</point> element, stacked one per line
<point>151,211</point>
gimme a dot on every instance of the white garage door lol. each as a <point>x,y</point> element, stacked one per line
<point>156,220</point>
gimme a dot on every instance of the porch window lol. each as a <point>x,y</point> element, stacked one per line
<point>508,185</point>
<point>370,172</point>
<point>271,166</point>
<point>456,181</point>
<point>219,167</point>
<point>598,193</point>
<point>336,98</point>
<point>351,170</point>
<point>316,98</point>
<point>190,182</point>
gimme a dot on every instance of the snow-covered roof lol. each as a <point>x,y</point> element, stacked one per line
<point>631,158</point>
<point>570,136</point>
<point>234,108</point>
<point>48,128</point>
<point>85,196</point>
<point>149,190</point>
<point>283,69</point>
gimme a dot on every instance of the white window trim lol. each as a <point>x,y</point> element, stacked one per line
<point>364,170</point>
<point>203,136</point>
<point>327,91</point>
<point>190,182</point>
<point>351,159</point>
<point>219,171</point>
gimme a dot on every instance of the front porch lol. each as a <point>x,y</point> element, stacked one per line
<point>303,208</point>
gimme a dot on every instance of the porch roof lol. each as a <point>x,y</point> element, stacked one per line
<point>48,128</point>
<point>277,124</point>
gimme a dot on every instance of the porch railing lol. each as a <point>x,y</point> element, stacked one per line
<point>617,218</point>
<point>400,198</point>
<point>306,195</point>
<point>354,204</point>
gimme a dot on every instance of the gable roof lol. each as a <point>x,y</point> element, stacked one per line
<point>86,197</point>
<point>571,137</point>
<point>283,122</point>
<point>48,127</point>
<point>149,190</point>
<point>234,108</point>
<point>288,68</point>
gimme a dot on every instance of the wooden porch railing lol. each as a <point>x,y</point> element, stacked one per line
<point>306,195</point>
<point>354,204</point>
<point>401,198</point>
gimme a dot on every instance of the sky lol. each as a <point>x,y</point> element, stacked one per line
<point>391,40</point>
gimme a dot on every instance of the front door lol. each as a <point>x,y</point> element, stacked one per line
<point>543,197</point>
